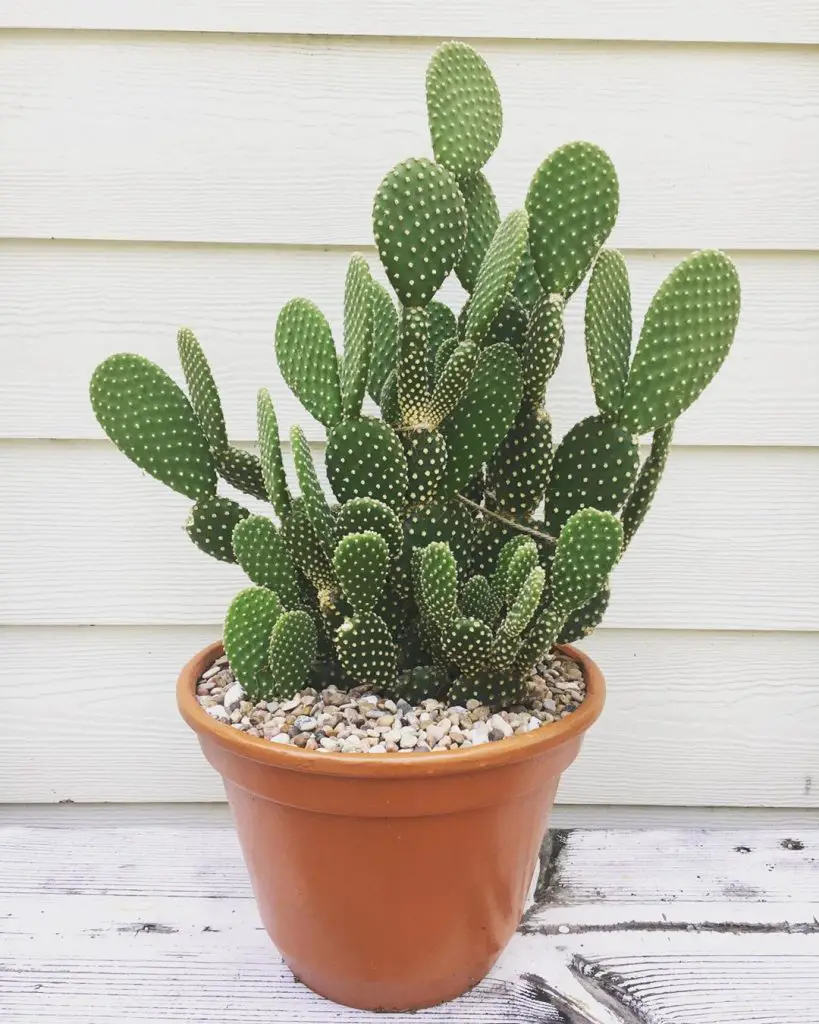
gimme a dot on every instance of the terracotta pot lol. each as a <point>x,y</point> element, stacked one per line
<point>391,881</point>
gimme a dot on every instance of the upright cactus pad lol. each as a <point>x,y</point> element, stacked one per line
<point>307,360</point>
<point>358,336</point>
<point>270,449</point>
<point>149,419</point>
<point>639,501</point>
<point>364,459</point>
<point>460,544</point>
<point>361,562</point>
<point>686,335</point>
<point>572,206</point>
<point>543,346</point>
<point>595,465</point>
<point>483,220</point>
<point>464,108</point>
<point>292,651</point>
<point>608,329</point>
<point>496,276</point>
<point>418,202</point>
<point>384,353</point>
<point>312,493</point>
<point>202,389</point>
<point>210,525</point>
<point>483,416</point>
<point>362,515</point>
<point>248,625</point>
<point>260,550</point>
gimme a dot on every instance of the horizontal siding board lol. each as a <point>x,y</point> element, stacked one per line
<point>251,139</point>
<point>795,21</point>
<point>83,538</point>
<point>712,718</point>
<point>68,305</point>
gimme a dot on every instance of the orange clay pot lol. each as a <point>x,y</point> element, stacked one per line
<point>391,881</point>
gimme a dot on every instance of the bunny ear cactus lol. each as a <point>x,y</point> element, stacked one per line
<point>461,542</point>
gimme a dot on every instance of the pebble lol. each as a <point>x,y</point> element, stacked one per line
<point>233,697</point>
<point>358,722</point>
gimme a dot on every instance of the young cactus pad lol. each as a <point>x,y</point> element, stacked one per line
<point>441,544</point>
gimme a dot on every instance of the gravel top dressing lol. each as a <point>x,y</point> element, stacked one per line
<point>360,722</point>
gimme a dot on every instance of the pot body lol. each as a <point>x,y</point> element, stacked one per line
<point>390,881</point>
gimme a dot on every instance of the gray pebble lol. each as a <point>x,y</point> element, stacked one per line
<point>304,723</point>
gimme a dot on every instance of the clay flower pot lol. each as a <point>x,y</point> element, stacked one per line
<point>391,881</point>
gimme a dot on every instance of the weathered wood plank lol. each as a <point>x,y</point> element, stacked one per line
<point>671,732</point>
<point>260,140</point>
<point>69,305</point>
<point>794,21</point>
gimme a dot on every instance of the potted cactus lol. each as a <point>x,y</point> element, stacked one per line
<point>384,722</point>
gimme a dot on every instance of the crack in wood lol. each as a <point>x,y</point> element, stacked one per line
<point>713,927</point>
<point>551,855</point>
<point>148,928</point>
<point>571,1011</point>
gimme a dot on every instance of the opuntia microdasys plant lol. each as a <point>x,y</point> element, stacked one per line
<point>462,544</point>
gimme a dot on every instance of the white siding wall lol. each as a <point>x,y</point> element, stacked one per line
<point>200,163</point>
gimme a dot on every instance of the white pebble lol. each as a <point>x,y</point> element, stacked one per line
<point>218,712</point>
<point>499,722</point>
<point>408,740</point>
<point>233,697</point>
<point>393,736</point>
<point>280,737</point>
<point>352,745</point>
<point>329,743</point>
<point>304,723</point>
<point>532,724</point>
<point>379,748</point>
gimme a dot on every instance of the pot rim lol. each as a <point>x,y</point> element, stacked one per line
<point>520,747</point>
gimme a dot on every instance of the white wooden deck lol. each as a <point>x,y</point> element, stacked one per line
<point>150,924</point>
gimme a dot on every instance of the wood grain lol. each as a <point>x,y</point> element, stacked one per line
<point>727,544</point>
<point>142,925</point>
<point>731,21</point>
<point>69,305</point>
<point>672,733</point>
<point>272,139</point>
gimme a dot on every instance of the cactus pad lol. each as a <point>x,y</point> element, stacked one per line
<point>437,585</point>
<point>384,353</point>
<point>419,221</point>
<point>467,643</point>
<point>587,550</point>
<point>367,651</point>
<point>543,346</point>
<point>527,288</point>
<point>442,324</point>
<point>608,329</point>
<point>464,108</point>
<point>292,651</point>
<point>358,336</point>
<point>242,470</point>
<point>518,473</point>
<point>388,400</point>
<point>149,418</point>
<point>686,335</point>
<point>270,451</point>
<point>493,687</point>
<point>586,619</point>
<point>305,548</point>
<point>510,324</point>
<point>447,521</point>
<point>483,220</point>
<point>260,550</point>
<point>307,359</point>
<point>452,383</point>
<point>483,416</point>
<point>248,625</point>
<point>202,389</point>
<point>210,525</point>
<point>315,501</point>
<point>497,275</point>
<point>442,354</point>
<point>367,514</point>
<point>413,367</point>
<point>364,459</point>
<point>572,206</point>
<point>595,466</point>
<point>639,501</point>
<point>516,572</point>
<point>526,601</point>
<point>426,462</point>
<point>477,601</point>
<point>361,562</point>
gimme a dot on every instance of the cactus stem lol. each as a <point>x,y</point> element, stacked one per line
<point>500,518</point>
